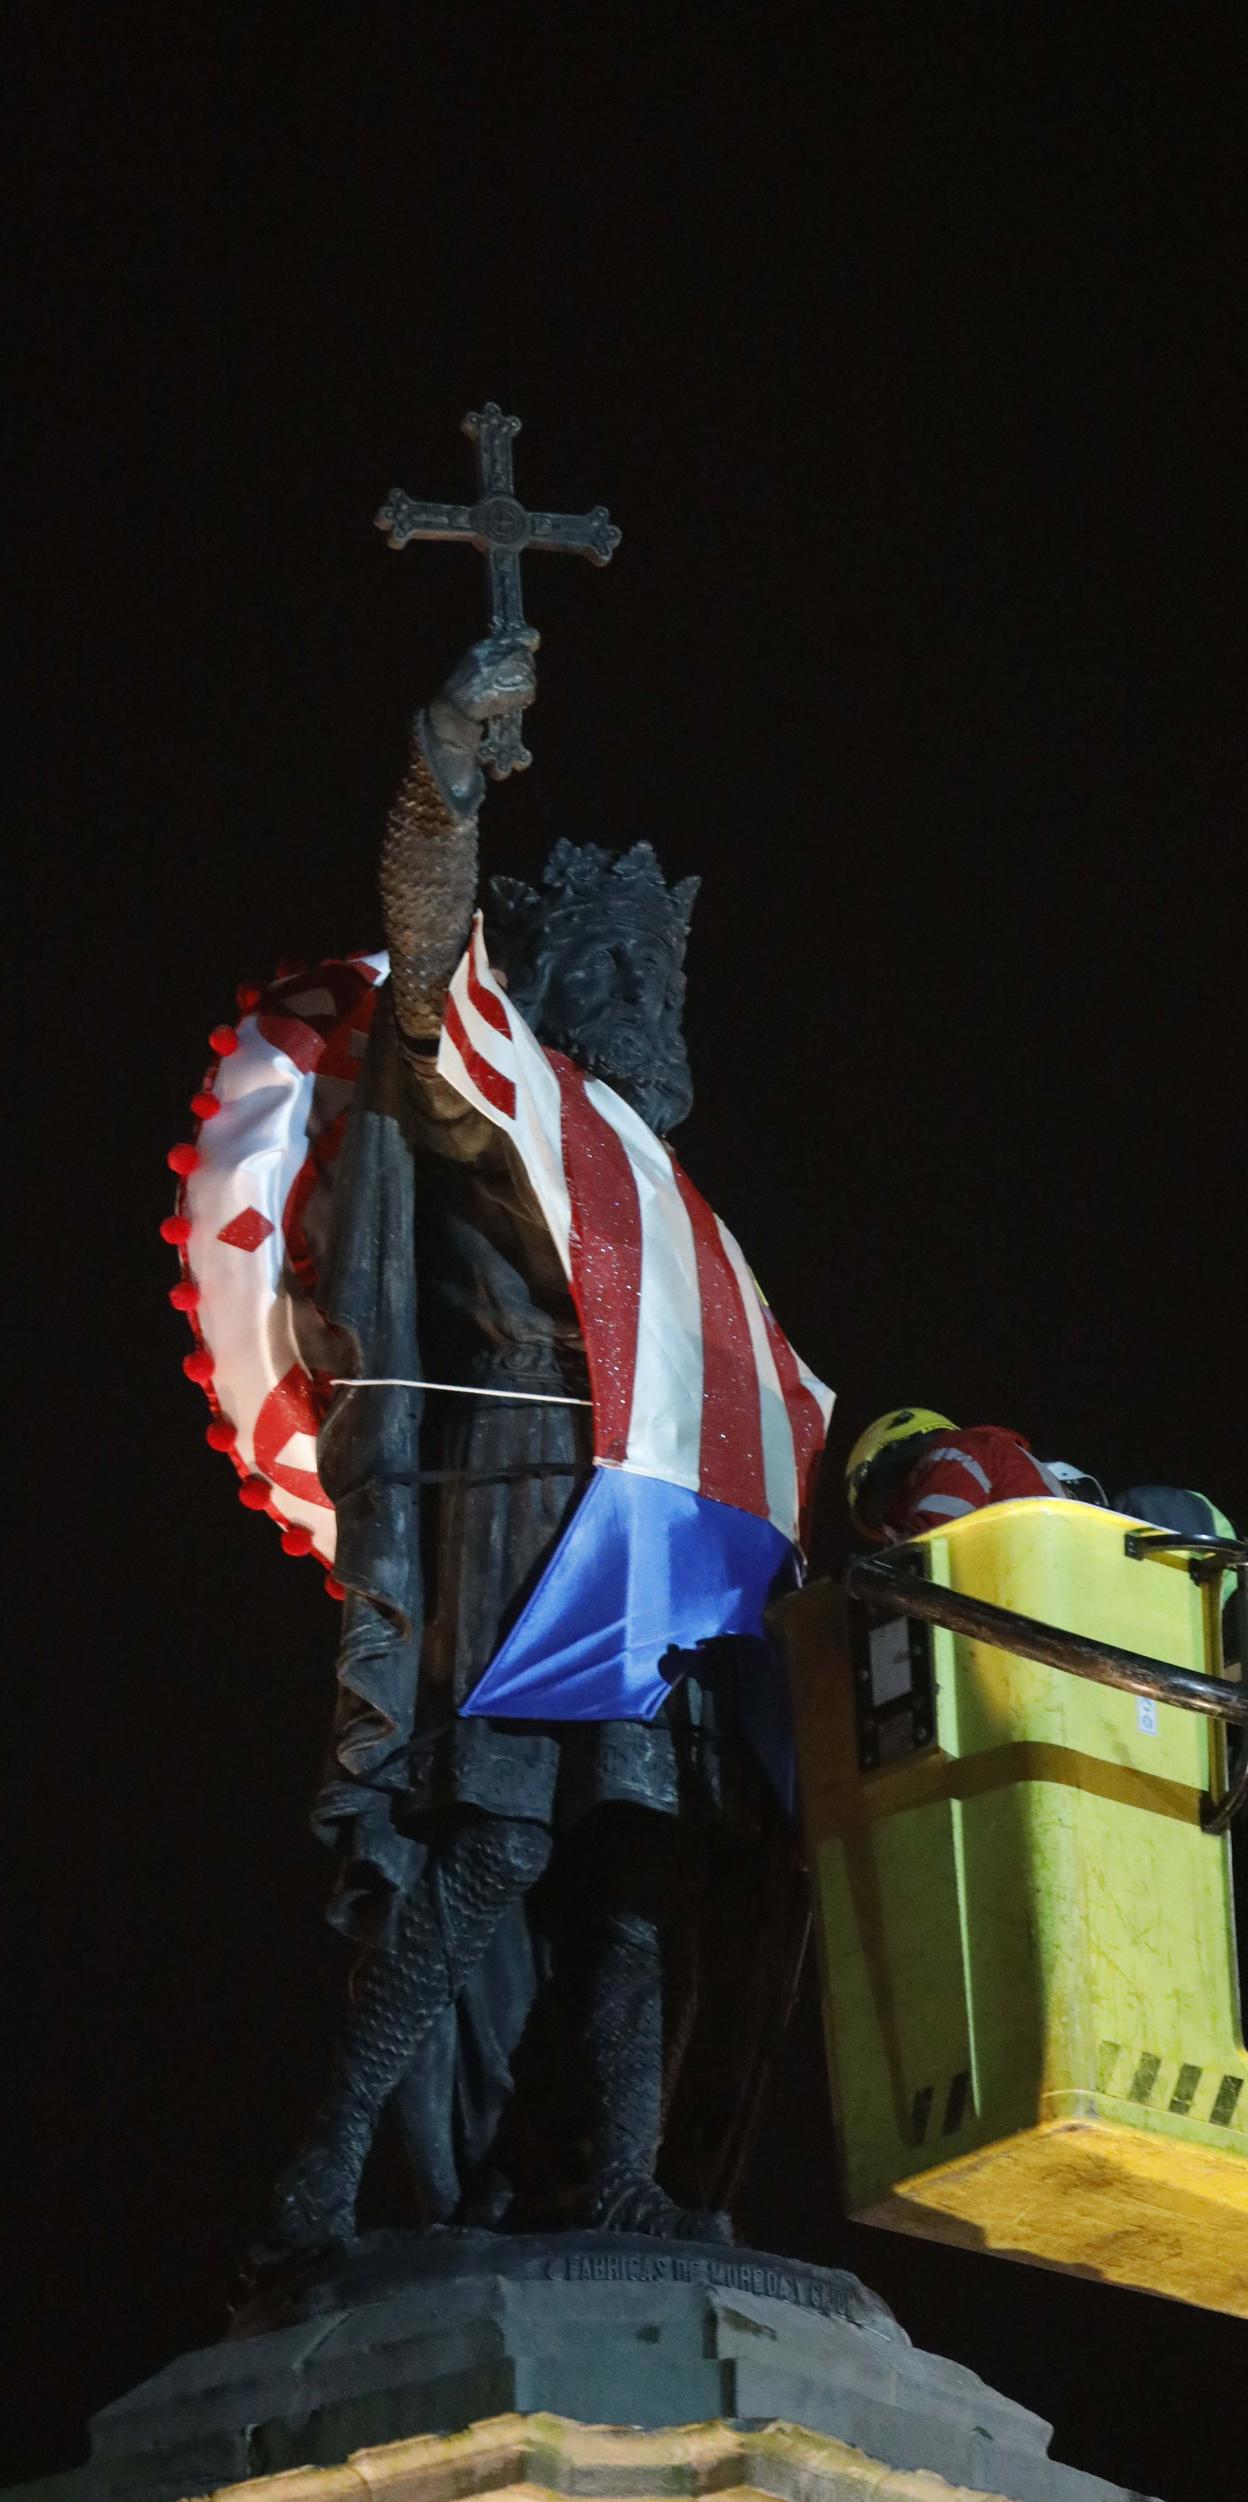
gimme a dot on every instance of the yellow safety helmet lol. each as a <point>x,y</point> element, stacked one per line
<point>899,1425</point>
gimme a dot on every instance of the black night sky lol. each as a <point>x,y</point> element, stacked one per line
<point>906,347</point>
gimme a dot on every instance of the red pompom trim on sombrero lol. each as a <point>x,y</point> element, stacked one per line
<point>249,1220</point>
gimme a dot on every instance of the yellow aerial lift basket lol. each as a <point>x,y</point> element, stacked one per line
<point>1012,1739</point>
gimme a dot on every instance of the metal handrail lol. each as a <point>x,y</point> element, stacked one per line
<point>1207,1556</point>
<point>1207,1552</point>
<point>882,1581</point>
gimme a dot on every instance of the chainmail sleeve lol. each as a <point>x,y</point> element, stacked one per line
<point>428,890</point>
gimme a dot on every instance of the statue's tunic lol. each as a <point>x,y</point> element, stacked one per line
<point>451,1513</point>
<point>498,1315</point>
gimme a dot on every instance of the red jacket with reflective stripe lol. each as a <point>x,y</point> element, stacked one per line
<point>961,1471</point>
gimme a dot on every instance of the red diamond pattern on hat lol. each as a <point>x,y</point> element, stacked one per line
<point>247,1231</point>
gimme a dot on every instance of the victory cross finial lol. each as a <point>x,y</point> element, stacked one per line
<point>502,529</point>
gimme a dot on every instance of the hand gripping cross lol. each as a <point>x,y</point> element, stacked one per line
<point>502,529</point>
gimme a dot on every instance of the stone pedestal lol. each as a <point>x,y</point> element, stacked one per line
<point>427,2369</point>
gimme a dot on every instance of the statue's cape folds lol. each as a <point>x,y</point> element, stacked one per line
<point>707,1425</point>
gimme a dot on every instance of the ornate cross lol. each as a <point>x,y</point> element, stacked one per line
<point>502,529</point>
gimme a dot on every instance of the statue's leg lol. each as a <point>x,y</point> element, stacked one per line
<point>646,1887</point>
<point>443,1929</point>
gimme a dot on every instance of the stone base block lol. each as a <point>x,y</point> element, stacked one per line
<point>463,2365</point>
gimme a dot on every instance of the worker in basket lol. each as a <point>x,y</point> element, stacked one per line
<point>1020,1832</point>
<point>914,1470</point>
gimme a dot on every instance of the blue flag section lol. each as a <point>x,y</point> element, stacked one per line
<point>643,1569</point>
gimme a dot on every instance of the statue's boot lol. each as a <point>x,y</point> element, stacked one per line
<point>443,1929</point>
<point>625,2050</point>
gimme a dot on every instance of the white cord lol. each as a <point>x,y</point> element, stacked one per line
<point>462,1389</point>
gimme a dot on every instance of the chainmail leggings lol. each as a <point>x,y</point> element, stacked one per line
<point>443,1930</point>
<point>636,1875</point>
<point>638,2015</point>
<point>444,1927</point>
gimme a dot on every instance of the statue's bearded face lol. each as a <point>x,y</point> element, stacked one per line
<point>612,999</point>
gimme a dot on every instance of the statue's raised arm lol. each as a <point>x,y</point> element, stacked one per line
<point>429,858</point>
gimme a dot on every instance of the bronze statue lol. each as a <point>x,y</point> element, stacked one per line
<point>577,1919</point>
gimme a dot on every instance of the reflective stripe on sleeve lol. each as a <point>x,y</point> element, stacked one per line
<point>964,1460</point>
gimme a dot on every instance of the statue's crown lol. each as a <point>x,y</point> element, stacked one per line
<point>585,882</point>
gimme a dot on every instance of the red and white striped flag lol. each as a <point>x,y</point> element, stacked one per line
<point>693,1381</point>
